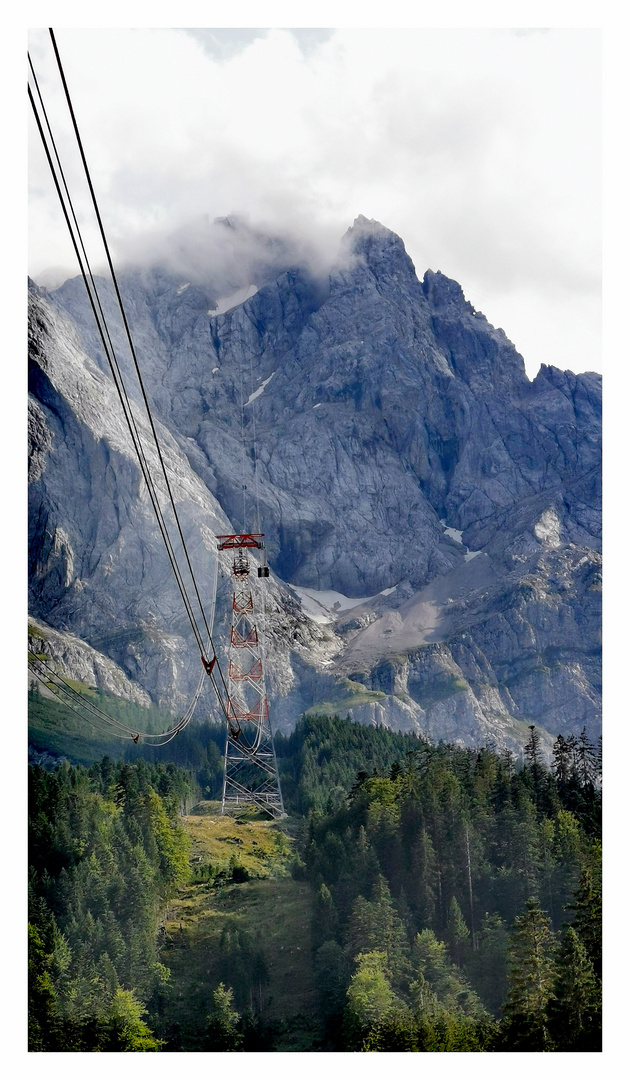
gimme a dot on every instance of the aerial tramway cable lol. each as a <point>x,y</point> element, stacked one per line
<point>126,326</point>
<point>93,296</point>
<point>254,443</point>
<point>76,701</point>
<point>103,329</point>
<point>69,697</point>
<point>117,378</point>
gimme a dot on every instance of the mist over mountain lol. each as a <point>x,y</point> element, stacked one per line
<point>431,515</point>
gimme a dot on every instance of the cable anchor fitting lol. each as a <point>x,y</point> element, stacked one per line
<point>209,666</point>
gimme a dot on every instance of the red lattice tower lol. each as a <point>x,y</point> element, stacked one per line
<point>250,775</point>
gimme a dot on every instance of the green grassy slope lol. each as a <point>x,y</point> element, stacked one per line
<point>270,911</point>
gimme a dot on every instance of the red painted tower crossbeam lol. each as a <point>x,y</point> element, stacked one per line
<point>236,673</point>
<point>240,641</point>
<point>240,540</point>
<point>239,712</point>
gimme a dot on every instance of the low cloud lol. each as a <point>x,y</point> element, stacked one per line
<point>480,148</point>
<point>228,253</point>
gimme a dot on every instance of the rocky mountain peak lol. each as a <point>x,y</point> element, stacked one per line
<point>380,249</point>
<point>399,458</point>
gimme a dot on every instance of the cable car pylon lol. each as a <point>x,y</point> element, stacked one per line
<point>250,776</point>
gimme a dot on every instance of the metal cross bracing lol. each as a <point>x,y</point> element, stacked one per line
<point>250,776</point>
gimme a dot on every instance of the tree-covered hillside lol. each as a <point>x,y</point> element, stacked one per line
<point>105,851</point>
<point>455,901</point>
<point>458,902</point>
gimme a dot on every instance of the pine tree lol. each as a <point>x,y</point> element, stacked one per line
<point>440,982</point>
<point>395,1033</point>
<point>586,756</point>
<point>125,1030</point>
<point>574,1011</point>
<point>362,863</point>
<point>530,981</point>
<point>325,926</point>
<point>370,998</point>
<point>422,882</point>
<point>487,967</point>
<point>376,927</point>
<point>457,933</point>
<point>331,976</point>
<point>562,758</point>
<point>587,918</point>
<point>533,755</point>
<point>222,1032</point>
<point>41,993</point>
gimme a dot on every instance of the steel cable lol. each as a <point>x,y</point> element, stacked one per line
<point>105,336</point>
<point>126,325</point>
<point>67,694</point>
<point>103,329</point>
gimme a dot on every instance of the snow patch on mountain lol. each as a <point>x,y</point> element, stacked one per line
<point>258,392</point>
<point>323,605</point>
<point>456,535</point>
<point>234,299</point>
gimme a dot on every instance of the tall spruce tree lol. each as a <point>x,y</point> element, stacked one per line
<point>457,933</point>
<point>375,926</point>
<point>446,983</point>
<point>487,967</point>
<point>533,756</point>
<point>587,917</point>
<point>574,1010</point>
<point>370,998</point>
<point>531,978</point>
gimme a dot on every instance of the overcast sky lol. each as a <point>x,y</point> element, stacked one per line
<point>480,148</point>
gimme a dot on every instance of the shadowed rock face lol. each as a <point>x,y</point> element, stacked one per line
<point>382,411</point>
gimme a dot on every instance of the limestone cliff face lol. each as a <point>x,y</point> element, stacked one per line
<point>98,567</point>
<point>400,446</point>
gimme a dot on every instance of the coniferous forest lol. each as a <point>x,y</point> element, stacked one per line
<point>454,898</point>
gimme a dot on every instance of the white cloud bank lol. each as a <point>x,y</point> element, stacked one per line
<point>480,148</point>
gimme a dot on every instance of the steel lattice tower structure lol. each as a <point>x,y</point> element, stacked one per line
<point>250,776</point>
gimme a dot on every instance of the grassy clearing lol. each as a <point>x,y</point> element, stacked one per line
<point>260,847</point>
<point>271,908</point>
